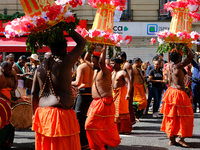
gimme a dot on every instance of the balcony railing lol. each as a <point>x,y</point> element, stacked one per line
<point>127,15</point>
<point>164,15</point>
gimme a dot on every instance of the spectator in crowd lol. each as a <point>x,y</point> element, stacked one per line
<point>196,82</point>
<point>156,78</point>
<point>149,84</point>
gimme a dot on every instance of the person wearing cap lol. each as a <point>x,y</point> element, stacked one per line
<point>100,124</point>
<point>139,96</point>
<point>196,82</point>
<point>32,66</point>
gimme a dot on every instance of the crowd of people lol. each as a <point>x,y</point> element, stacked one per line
<point>113,94</point>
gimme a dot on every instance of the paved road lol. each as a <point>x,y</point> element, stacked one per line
<point>146,135</point>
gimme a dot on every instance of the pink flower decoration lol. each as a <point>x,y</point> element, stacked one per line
<point>153,41</point>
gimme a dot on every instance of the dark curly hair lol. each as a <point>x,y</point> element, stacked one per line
<point>174,56</point>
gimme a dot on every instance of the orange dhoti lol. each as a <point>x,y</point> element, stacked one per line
<point>122,116</point>
<point>139,99</point>
<point>100,124</point>
<point>178,113</point>
<point>56,129</point>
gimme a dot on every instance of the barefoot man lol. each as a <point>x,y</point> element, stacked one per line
<point>126,66</point>
<point>100,124</point>
<point>121,96</point>
<point>7,86</point>
<point>139,96</point>
<point>177,107</point>
<point>54,121</point>
<point>83,80</point>
<point>21,90</point>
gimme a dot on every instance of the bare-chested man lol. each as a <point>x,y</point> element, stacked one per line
<point>126,66</point>
<point>53,108</point>
<point>177,108</point>
<point>100,124</point>
<point>21,91</point>
<point>121,96</point>
<point>13,75</point>
<point>139,96</point>
<point>84,79</point>
<point>7,84</point>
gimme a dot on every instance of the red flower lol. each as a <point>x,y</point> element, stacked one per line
<point>70,19</point>
<point>54,11</point>
<point>74,3</point>
<point>175,51</point>
<point>96,33</point>
<point>40,21</point>
<point>153,40</point>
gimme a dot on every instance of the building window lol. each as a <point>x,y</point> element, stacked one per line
<point>127,14</point>
<point>162,13</point>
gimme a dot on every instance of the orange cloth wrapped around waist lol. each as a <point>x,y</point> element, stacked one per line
<point>139,95</point>
<point>6,92</point>
<point>121,104</point>
<point>101,114</point>
<point>55,122</point>
<point>178,113</point>
<point>176,103</point>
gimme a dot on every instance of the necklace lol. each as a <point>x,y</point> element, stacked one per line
<point>48,76</point>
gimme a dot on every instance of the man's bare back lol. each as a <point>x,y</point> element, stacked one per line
<point>174,69</point>
<point>84,78</point>
<point>57,94</point>
<point>137,76</point>
<point>103,84</point>
<point>128,68</point>
<point>61,76</point>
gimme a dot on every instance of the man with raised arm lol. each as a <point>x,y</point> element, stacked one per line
<point>121,96</point>
<point>84,79</point>
<point>126,66</point>
<point>54,121</point>
<point>100,124</point>
<point>177,108</point>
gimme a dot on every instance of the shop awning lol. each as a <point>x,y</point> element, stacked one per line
<point>19,45</point>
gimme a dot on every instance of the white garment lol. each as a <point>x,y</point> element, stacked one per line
<point>20,83</point>
<point>20,91</point>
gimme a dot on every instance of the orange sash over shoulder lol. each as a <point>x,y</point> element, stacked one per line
<point>139,96</point>
<point>178,113</point>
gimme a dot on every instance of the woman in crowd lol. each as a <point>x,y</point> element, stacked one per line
<point>156,78</point>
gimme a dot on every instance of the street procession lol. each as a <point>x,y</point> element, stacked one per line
<point>99,74</point>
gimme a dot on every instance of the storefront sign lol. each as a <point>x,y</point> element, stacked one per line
<point>140,28</point>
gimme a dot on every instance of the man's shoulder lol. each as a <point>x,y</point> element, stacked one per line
<point>127,65</point>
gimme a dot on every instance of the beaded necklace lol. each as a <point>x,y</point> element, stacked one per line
<point>122,65</point>
<point>48,76</point>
